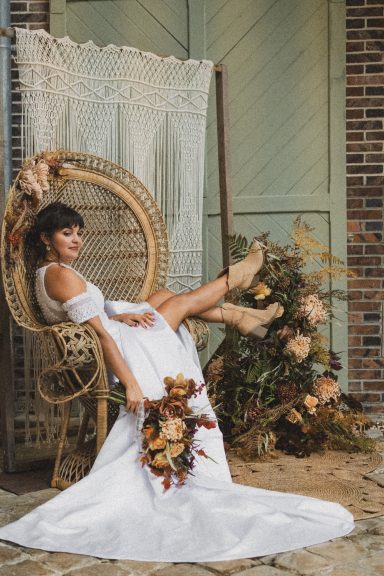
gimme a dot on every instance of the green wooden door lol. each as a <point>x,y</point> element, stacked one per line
<point>286,87</point>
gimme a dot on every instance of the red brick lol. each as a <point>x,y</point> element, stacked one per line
<point>374,272</point>
<point>374,158</point>
<point>353,203</point>
<point>373,363</point>
<point>373,112</point>
<point>364,214</point>
<point>364,352</point>
<point>364,12</point>
<point>364,374</point>
<point>374,249</point>
<point>354,363</point>
<point>364,306</point>
<point>354,226</point>
<point>365,102</point>
<point>363,57</point>
<point>355,249</point>
<point>366,191</point>
<point>364,261</point>
<point>373,386</point>
<point>364,125</point>
<point>354,69</point>
<point>355,294</point>
<point>354,386</point>
<point>367,283</point>
<point>375,181</point>
<point>367,237</point>
<point>355,158</point>
<point>355,47</point>
<point>355,317</point>
<point>364,146</point>
<point>355,23</point>
<point>371,79</point>
<point>355,136</point>
<point>374,295</point>
<point>377,45</point>
<point>364,328</point>
<point>354,340</point>
<point>365,168</point>
<point>355,91</point>
<point>354,113</point>
<point>375,135</point>
<point>355,181</point>
<point>374,23</point>
<point>375,35</point>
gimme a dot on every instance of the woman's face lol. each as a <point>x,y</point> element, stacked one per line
<point>65,243</point>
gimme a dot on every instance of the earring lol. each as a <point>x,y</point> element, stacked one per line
<point>47,248</point>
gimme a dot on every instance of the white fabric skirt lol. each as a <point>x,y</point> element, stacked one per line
<point>120,510</point>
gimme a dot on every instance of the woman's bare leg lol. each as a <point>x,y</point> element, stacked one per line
<point>195,303</point>
<point>214,314</point>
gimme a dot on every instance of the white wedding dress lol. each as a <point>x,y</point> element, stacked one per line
<point>120,510</point>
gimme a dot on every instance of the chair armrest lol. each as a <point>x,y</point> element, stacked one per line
<point>199,331</point>
<point>76,365</point>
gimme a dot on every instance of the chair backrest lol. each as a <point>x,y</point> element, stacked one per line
<point>125,250</point>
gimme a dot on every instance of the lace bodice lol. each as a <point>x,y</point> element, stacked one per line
<point>78,309</point>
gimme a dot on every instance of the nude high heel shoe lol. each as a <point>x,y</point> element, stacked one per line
<point>250,321</point>
<point>242,274</point>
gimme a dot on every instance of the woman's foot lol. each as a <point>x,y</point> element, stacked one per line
<point>250,321</point>
<point>243,274</point>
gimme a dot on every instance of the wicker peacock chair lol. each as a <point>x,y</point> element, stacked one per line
<point>126,255</point>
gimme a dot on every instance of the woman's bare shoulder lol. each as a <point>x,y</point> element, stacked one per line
<point>62,283</point>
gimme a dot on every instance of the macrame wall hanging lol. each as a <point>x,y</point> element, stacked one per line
<point>146,113</point>
<point>143,112</point>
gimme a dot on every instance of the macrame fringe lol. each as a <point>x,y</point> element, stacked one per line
<point>143,112</point>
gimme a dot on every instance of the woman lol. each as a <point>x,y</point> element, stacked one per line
<point>120,509</point>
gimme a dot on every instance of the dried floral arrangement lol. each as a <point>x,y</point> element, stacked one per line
<point>32,184</point>
<point>167,431</point>
<point>269,393</point>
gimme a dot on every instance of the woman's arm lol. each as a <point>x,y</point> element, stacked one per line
<point>62,284</point>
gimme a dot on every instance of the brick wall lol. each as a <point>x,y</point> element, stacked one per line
<point>365,185</point>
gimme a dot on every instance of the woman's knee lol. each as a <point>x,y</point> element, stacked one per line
<point>160,296</point>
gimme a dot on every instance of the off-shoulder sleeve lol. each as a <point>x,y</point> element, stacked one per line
<point>80,308</point>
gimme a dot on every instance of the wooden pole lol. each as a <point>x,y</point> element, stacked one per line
<point>222,112</point>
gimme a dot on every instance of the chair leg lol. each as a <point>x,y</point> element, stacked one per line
<point>62,438</point>
<point>102,421</point>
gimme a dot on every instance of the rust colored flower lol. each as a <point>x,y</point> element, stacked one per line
<point>157,443</point>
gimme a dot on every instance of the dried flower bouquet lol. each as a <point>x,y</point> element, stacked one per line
<point>168,428</point>
<point>271,393</point>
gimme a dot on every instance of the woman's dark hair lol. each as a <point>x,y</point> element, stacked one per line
<point>53,217</point>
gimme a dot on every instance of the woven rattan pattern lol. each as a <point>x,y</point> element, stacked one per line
<point>125,254</point>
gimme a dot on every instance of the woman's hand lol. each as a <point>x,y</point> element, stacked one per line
<point>145,320</point>
<point>133,394</point>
